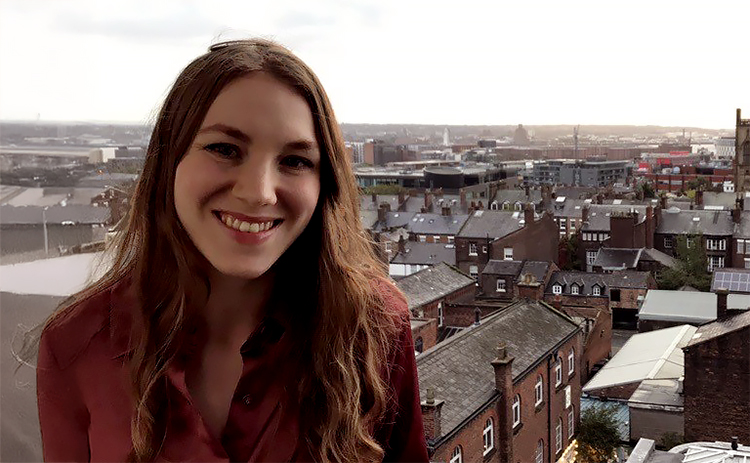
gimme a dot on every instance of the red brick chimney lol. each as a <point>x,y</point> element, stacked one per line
<point>462,195</point>
<point>650,227</point>
<point>401,198</point>
<point>431,409</point>
<point>721,303</point>
<point>528,215</point>
<point>585,214</point>
<point>699,199</point>
<point>446,210</point>
<point>401,245</point>
<point>374,197</point>
<point>383,210</point>
<point>504,384</point>
<point>428,201</point>
<point>529,287</point>
<point>737,211</point>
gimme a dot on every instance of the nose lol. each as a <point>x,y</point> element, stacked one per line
<point>256,182</point>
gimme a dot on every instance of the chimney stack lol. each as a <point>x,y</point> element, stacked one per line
<point>504,384</point>
<point>735,439</point>
<point>528,215</point>
<point>650,228</point>
<point>477,314</point>
<point>428,201</point>
<point>737,211</point>
<point>374,197</point>
<point>401,199</point>
<point>401,245</point>
<point>446,211</point>
<point>663,201</point>
<point>431,409</point>
<point>383,210</point>
<point>699,199</point>
<point>584,214</point>
<point>528,192</point>
<point>462,195</point>
<point>721,303</point>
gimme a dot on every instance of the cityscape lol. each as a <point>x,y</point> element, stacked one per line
<point>551,273</point>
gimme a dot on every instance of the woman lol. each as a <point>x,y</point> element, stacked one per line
<point>245,317</point>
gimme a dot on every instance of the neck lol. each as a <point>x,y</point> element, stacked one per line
<point>236,306</point>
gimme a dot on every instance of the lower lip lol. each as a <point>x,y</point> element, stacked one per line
<point>247,237</point>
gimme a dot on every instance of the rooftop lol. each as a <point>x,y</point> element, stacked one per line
<point>686,306</point>
<point>432,283</point>
<point>652,355</point>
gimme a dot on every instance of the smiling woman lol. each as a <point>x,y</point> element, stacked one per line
<point>246,317</point>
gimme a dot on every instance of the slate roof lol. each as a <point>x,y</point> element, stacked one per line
<point>436,224</point>
<point>572,208</point>
<point>432,283</point>
<point>502,267</point>
<point>651,355</point>
<point>617,258</point>
<point>366,204</point>
<point>719,328</point>
<point>678,222</point>
<point>536,268</point>
<point>599,214</point>
<point>658,256</point>
<point>686,306</point>
<point>32,215</point>
<point>426,254</point>
<point>393,220</point>
<point>517,196</point>
<point>495,224</point>
<point>742,229</point>
<point>459,368</point>
<point>626,279</point>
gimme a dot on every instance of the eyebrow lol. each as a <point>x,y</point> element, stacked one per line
<point>298,145</point>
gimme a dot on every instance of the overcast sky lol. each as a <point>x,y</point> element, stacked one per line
<point>661,62</point>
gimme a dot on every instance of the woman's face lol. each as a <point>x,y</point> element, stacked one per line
<point>249,183</point>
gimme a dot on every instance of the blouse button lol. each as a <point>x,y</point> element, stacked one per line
<point>246,400</point>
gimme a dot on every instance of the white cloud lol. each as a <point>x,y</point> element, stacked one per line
<point>536,62</point>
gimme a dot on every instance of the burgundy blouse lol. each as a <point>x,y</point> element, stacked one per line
<point>85,408</point>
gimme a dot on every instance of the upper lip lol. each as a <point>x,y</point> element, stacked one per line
<point>247,218</point>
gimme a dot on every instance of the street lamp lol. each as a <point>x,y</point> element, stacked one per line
<point>44,222</point>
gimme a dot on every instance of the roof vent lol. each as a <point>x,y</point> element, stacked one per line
<point>478,213</point>
<point>696,219</point>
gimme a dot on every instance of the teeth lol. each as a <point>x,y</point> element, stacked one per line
<point>251,227</point>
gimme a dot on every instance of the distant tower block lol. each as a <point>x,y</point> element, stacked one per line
<point>446,137</point>
<point>742,155</point>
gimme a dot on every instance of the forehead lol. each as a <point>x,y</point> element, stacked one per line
<point>261,105</point>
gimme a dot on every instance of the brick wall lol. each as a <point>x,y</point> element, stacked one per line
<point>428,333</point>
<point>463,314</point>
<point>471,440</point>
<point>430,310</point>
<point>645,326</point>
<point>488,284</point>
<point>717,388</point>
<point>653,424</point>
<point>628,298</point>
<point>536,241</point>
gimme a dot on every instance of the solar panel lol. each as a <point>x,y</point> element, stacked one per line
<point>733,281</point>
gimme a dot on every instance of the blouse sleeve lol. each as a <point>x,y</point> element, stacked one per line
<point>63,417</point>
<point>407,440</point>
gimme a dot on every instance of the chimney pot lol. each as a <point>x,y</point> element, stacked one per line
<point>735,442</point>
<point>430,395</point>
<point>476,316</point>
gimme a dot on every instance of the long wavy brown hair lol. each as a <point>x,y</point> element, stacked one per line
<point>345,334</point>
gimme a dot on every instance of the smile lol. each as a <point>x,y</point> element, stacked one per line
<point>246,227</point>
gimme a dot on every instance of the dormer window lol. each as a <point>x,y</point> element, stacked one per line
<point>574,289</point>
<point>557,288</point>
<point>596,290</point>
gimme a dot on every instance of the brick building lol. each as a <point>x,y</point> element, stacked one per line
<point>713,228</point>
<point>717,378</point>
<point>500,279</point>
<point>614,226</point>
<point>505,390</point>
<point>428,291</point>
<point>505,235</point>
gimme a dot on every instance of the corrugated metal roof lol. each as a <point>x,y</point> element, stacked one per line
<point>686,306</point>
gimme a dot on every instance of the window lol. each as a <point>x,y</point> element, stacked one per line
<point>584,236</point>
<point>722,245</point>
<point>689,241</point>
<point>508,253</point>
<point>558,436</point>
<point>596,290</point>
<point>488,436</point>
<point>668,242</point>
<point>539,456</point>
<point>473,271</point>
<point>591,257</point>
<point>747,262</point>
<point>563,224</point>
<point>574,289</point>
<point>539,390</point>
<point>614,295</point>
<point>500,286</point>
<point>558,372</point>
<point>740,246</point>
<point>516,410</point>
<point>571,422</point>
<point>419,345</point>
<point>450,239</point>
<point>422,238</point>
<point>715,262</point>
<point>456,457</point>
<point>472,249</point>
<point>571,361</point>
<point>556,289</point>
<point>484,249</point>
<point>388,247</point>
<point>518,206</point>
<point>440,313</point>
<point>493,206</point>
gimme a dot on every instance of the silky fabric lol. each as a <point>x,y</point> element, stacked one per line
<point>85,404</point>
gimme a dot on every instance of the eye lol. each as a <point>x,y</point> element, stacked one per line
<point>224,150</point>
<point>297,162</point>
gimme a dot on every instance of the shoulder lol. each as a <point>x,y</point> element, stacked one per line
<point>392,299</point>
<point>71,331</point>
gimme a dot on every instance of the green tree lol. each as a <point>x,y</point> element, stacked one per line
<point>692,266</point>
<point>647,190</point>
<point>383,189</point>
<point>598,435</point>
<point>568,250</point>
